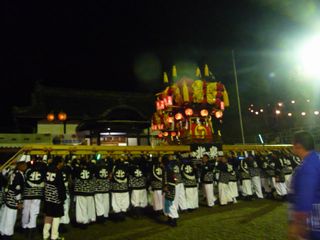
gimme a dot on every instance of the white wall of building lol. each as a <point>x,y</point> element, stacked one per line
<point>56,128</point>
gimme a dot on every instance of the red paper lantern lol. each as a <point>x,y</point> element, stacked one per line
<point>222,106</point>
<point>158,105</point>
<point>62,116</point>
<point>50,117</point>
<point>173,134</point>
<point>161,104</point>
<point>169,100</point>
<point>165,134</point>
<point>219,114</point>
<point>170,119</point>
<point>204,112</point>
<point>160,135</point>
<point>178,116</point>
<point>188,112</point>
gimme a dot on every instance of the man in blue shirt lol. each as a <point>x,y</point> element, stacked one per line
<point>304,217</point>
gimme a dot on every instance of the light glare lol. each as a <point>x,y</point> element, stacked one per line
<point>309,57</point>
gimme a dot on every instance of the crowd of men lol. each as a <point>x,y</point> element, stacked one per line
<point>170,184</point>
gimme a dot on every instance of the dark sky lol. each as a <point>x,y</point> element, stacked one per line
<point>108,44</point>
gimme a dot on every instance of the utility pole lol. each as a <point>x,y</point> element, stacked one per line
<point>238,97</point>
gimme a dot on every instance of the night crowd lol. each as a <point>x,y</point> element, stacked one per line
<point>95,188</point>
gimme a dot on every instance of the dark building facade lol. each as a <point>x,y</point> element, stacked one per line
<point>105,117</point>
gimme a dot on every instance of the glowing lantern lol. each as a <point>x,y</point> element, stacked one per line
<point>158,105</point>
<point>170,119</point>
<point>169,100</point>
<point>165,134</point>
<point>62,116</point>
<point>50,117</point>
<point>160,135</point>
<point>219,114</point>
<point>173,134</point>
<point>222,106</point>
<point>178,116</point>
<point>204,112</point>
<point>188,112</point>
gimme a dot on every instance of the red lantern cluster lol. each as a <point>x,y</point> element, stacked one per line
<point>188,104</point>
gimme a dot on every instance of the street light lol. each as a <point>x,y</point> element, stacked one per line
<point>278,112</point>
<point>290,114</point>
<point>309,57</point>
<point>303,113</point>
<point>316,112</point>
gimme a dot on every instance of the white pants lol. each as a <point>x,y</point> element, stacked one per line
<point>65,219</point>
<point>224,193</point>
<point>280,187</point>
<point>8,219</point>
<point>192,197</point>
<point>180,197</point>
<point>233,187</point>
<point>208,192</point>
<point>169,209</point>
<point>256,185</point>
<point>85,209</point>
<point>139,198</point>
<point>157,200</point>
<point>30,212</point>
<point>288,178</point>
<point>120,201</point>
<point>266,184</point>
<point>246,187</point>
<point>102,204</point>
<point>54,229</point>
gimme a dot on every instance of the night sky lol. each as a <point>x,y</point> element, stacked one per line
<point>126,44</point>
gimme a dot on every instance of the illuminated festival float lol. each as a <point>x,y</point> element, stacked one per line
<point>190,110</point>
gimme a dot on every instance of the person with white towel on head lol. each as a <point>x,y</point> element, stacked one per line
<point>12,199</point>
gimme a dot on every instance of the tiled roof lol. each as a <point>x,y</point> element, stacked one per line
<point>84,104</point>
